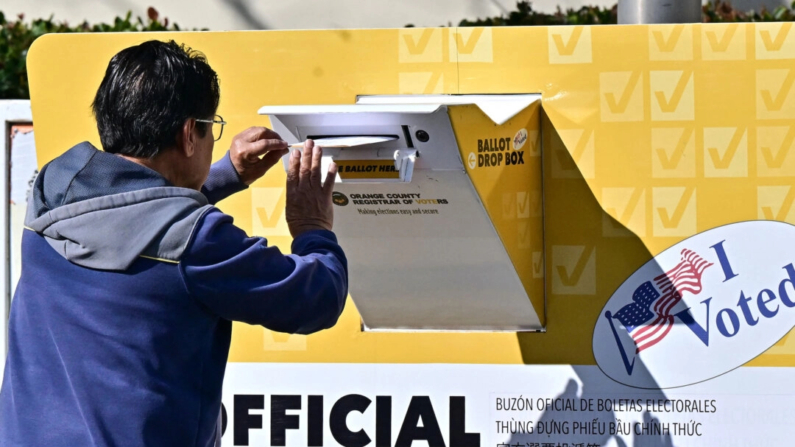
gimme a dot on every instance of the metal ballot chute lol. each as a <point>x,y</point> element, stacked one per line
<point>434,207</point>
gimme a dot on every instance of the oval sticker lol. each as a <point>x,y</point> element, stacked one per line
<point>701,308</point>
<point>519,139</point>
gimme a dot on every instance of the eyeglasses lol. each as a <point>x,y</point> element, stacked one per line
<point>218,126</point>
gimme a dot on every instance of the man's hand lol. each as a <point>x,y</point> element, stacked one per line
<point>251,144</point>
<point>308,200</point>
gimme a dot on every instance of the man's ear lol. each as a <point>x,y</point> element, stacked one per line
<point>186,138</point>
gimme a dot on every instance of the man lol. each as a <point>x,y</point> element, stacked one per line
<point>131,278</point>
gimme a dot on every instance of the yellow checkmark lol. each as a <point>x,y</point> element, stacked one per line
<point>720,46</point>
<point>673,152</point>
<point>774,156</point>
<point>569,162</point>
<point>538,265</point>
<point>620,105</point>
<point>569,44</point>
<point>624,217</point>
<point>667,46</point>
<point>673,220</point>
<point>774,104</point>
<point>776,160</point>
<point>774,97</point>
<point>268,212</point>
<point>775,43</point>
<point>571,279</point>
<point>419,45</point>
<point>472,45</point>
<point>679,150</point>
<point>469,46</point>
<point>627,206</point>
<point>567,49</point>
<point>725,41</point>
<point>527,204</point>
<point>770,194</point>
<point>670,42</point>
<point>670,105</point>
<point>728,156</point>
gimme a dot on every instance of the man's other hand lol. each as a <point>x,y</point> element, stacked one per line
<point>308,199</point>
<point>254,151</point>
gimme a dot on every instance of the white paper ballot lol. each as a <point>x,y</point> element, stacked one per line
<point>347,141</point>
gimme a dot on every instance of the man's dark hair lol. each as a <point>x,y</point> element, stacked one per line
<point>148,92</point>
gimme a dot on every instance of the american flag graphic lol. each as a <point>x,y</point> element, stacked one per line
<point>648,318</point>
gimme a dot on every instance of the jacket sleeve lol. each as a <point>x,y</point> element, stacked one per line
<point>240,278</point>
<point>223,181</point>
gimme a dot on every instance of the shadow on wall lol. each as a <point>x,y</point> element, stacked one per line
<point>591,388</point>
<point>573,217</point>
<point>242,9</point>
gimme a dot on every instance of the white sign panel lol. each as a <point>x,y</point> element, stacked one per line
<point>387,405</point>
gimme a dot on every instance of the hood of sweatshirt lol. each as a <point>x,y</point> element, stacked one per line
<point>101,211</point>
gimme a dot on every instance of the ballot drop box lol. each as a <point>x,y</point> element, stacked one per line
<point>438,206</point>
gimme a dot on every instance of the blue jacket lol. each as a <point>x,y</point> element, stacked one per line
<point>120,325</point>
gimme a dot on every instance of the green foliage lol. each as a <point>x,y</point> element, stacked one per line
<point>714,11</point>
<point>526,16</point>
<point>17,36</point>
<point>722,11</point>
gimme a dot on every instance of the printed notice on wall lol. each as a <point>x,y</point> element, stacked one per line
<point>570,420</point>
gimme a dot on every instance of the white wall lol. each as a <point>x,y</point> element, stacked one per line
<point>296,14</point>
